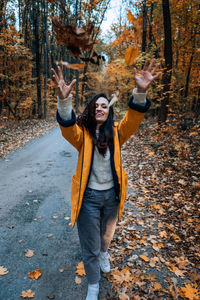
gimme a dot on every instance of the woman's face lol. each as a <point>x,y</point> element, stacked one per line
<point>102,110</point>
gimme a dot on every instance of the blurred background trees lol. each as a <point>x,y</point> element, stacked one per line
<point>163,29</point>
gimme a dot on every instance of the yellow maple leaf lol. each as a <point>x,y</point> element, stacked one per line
<point>27,294</point>
<point>80,269</point>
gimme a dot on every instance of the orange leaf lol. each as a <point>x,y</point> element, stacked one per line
<point>189,292</point>
<point>72,66</point>
<point>80,269</point>
<point>35,274</point>
<point>157,286</point>
<point>131,54</point>
<point>144,257</point>
<point>27,294</point>
<point>130,17</point>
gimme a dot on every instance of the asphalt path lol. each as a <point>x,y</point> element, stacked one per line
<point>35,205</point>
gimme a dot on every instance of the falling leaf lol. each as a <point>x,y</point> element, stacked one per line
<point>131,54</point>
<point>76,39</point>
<point>29,253</point>
<point>27,294</point>
<point>80,269</point>
<point>77,67</point>
<point>78,280</point>
<point>35,274</point>
<point>3,271</point>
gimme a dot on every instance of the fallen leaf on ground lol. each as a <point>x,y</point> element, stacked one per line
<point>35,274</point>
<point>3,271</point>
<point>144,257</point>
<point>78,280</point>
<point>189,292</point>
<point>27,294</point>
<point>50,235</point>
<point>29,253</point>
<point>80,269</point>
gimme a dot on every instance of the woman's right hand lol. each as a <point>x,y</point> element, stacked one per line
<point>62,89</point>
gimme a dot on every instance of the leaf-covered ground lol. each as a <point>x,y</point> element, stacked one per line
<point>15,134</point>
<point>155,252</point>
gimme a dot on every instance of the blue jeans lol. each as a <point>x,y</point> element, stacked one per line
<point>96,226</point>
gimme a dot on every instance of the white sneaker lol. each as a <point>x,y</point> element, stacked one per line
<point>93,292</point>
<point>104,262</point>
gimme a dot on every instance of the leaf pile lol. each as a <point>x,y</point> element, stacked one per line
<point>15,134</point>
<point>155,251</point>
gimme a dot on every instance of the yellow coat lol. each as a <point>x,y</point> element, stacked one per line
<point>82,141</point>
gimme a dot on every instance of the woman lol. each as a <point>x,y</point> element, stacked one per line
<point>99,185</point>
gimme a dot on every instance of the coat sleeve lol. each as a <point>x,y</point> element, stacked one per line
<point>71,131</point>
<point>132,119</point>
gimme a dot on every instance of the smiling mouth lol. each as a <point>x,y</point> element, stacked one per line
<point>99,115</point>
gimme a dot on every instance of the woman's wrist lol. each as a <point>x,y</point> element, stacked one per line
<point>141,90</point>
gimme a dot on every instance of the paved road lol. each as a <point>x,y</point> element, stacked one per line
<point>35,199</point>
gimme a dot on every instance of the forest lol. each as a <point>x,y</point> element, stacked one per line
<point>157,29</point>
<point>155,250</point>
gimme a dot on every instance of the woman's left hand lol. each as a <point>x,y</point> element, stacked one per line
<point>147,75</point>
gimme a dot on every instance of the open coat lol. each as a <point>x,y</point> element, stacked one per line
<point>82,141</point>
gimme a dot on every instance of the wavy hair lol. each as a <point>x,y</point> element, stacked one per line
<point>87,120</point>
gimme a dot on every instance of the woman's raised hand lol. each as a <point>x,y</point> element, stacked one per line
<point>147,75</point>
<point>63,90</point>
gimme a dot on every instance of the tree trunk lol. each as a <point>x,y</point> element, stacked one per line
<point>189,70</point>
<point>46,53</point>
<point>144,26</point>
<point>36,15</point>
<point>168,61</point>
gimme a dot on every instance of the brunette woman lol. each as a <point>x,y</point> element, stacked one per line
<point>99,184</point>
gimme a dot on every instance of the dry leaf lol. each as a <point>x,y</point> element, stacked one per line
<point>144,257</point>
<point>50,235</point>
<point>35,274</point>
<point>157,286</point>
<point>78,280</point>
<point>76,39</point>
<point>27,294</point>
<point>29,253</point>
<point>123,296</point>
<point>78,67</point>
<point>80,269</point>
<point>131,54</point>
<point>3,271</point>
<point>10,226</point>
<point>189,292</point>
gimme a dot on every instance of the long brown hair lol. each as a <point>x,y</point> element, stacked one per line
<point>87,120</point>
